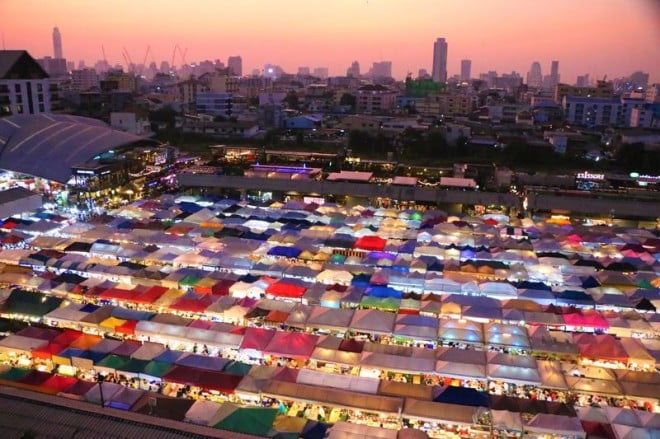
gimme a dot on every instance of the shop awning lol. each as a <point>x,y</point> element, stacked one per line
<point>429,411</point>
<point>333,397</point>
<point>291,345</point>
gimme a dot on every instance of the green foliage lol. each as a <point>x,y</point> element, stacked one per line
<point>166,115</point>
<point>349,100</point>
<point>635,157</point>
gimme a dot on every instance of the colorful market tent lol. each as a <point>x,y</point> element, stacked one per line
<point>248,420</point>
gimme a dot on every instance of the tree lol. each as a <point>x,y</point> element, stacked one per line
<point>291,100</point>
<point>360,141</point>
<point>348,100</point>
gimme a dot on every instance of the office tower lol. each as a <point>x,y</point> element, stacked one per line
<point>381,69</point>
<point>439,73</point>
<point>534,76</point>
<point>554,73</point>
<point>235,65</point>
<point>57,44</point>
<point>466,67</point>
<point>321,72</point>
<point>354,70</point>
<point>583,80</point>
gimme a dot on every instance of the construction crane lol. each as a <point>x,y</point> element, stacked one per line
<point>176,46</point>
<point>144,60</point>
<point>128,56</point>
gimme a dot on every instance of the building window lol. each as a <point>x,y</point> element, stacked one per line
<point>40,88</point>
<point>17,88</point>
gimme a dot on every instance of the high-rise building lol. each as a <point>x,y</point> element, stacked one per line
<point>554,72</point>
<point>423,74</point>
<point>439,73</point>
<point>583,80</point>
<point>381,69</point>
<point>534,76</point>
<point>354,70</point>
<point>55,67</point>
<point>466,67</point>
<point>304,71</point>
<point>57,44</point>
<point>24,84</point>
<point>321,72</point>
<point>84,79</point>
<point>235,65</point>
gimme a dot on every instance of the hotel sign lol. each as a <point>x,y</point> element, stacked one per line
<point>589,176</point>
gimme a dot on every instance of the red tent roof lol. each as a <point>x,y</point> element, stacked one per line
<point>370,242</point>
<point>128,327</point>
<point>192,304</point>
<point>285,289</point>
<point>150,295</point>
<point>206,379</point>
<point>59,383</point>
<point>602,347</point>
<point>257,338</point>
<point>118,294</point>
<point>46,352</point>
<point>292,344</point>
<point>276,316</point>
<point>67,337</point>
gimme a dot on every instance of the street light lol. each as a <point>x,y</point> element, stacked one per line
<point>100,379</point>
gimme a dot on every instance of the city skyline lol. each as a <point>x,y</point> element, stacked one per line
<point>505,36</point>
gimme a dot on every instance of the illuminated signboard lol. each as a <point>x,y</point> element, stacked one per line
<point>589,176</point>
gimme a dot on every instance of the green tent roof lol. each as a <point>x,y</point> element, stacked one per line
<point>113,362</point>
<point>156,369</point>
<point>237,368</point>
<point>385,303</point>
<point>30,303</point>
<point>190,280</point>
<point>14,374</point>
<point>134,365</point>
<point>257,421</point>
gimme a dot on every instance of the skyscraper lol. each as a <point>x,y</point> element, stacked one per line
<point>534,76</point>
<point>354,70</point>
<point>439,60</point>
<point>381,69</point>
<point>57,44</point>
<point>466,67</point>
<point>235,65</point>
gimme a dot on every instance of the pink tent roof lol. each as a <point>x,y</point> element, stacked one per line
<point>257,338</point>
<point>590,320</point>
<point>292,344</point>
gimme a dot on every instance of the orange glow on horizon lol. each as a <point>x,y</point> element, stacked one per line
<point>613,37</point>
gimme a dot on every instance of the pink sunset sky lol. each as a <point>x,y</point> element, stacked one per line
<point>613,37</point>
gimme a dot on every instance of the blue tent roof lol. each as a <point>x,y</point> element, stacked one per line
<point>570,297</point>
<point>287,252</point>
<point>383,292</point>
<point>131,314</point>
<point>169,356</point>
<point>463,396</point>
<point>189,207</point>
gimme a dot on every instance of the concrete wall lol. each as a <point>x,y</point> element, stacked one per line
<point>366,190</point>
<point>618,207</point>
